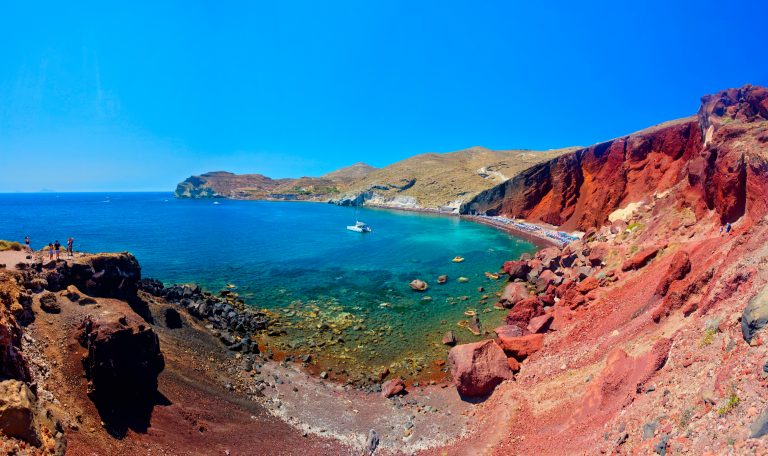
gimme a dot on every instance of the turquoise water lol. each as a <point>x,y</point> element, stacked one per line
<point>340,295</point>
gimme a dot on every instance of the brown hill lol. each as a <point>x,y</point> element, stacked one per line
<point>441,181</point>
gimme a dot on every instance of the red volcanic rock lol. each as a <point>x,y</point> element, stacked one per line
<point>597,254</point>
<point>564,287</point>
<point>449,339</point>
<point>549,257</point>
<point>508,331</point>
<point>640,259</point>
<point>516,269</point>
<point>548,298</point>
<point>547,278</point>
<point>679,293</point>
<point>678,269</point>
<point>580,189</point>
<point>514,365</point>
<point>522,312</point>
<point>392,387</point>
<point>540,324</point>
<point>478,368</point>
<point>522,347</point>
<point>535,267</point>
<point>123,360</point>
<point>620,380</point>
<point>747,104</point>
<point>513,293</point>
<point>587,285</point>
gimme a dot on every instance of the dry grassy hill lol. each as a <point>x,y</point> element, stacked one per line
<point>441,181</point>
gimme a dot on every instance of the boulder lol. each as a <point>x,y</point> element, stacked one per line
<point>449,339</point>
<point>587,285</point>
<point>598,254</point>
<point>640,259</point>
<point>442,279</point>
<point>522,312</point>
<point>549,257</point>
<point>123,361</point>
<point>540,324</point>
<point>418,285</point>
<point>677,270</point>
<point>474,325</point>
<point>508,331</point>
<point>522,347</point>
<point>71,293</point>
<point>49,303</point>
<point>755,315</point>
<point>172,318</point>
<point>478,368</point>
<point>516,269</point>
<point>513,293</point>
<point>392,387</point>
<point>547,278</point>
<point>17,411</point>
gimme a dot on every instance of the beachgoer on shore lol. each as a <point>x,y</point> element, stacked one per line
<point>57,248</point>
<point>50,251</point>
<point>70,250</point>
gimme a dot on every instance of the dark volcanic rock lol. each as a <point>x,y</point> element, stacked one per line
<point>172,318</point>
<point>49,303</point>
<point>122,365</point>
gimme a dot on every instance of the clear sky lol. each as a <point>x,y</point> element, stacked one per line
<point>138,96</point>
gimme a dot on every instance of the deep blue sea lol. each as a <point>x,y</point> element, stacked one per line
<point>340,294</point>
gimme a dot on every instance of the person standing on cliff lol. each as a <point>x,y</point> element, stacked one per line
<point>57,247</point>
<point>26,244</point>
<point>728,228</point>
<point>70,250</point>
<point>50,251</point>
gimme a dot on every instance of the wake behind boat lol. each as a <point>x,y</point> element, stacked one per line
<point>360,227</point>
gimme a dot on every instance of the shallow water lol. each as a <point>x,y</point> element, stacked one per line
<point>342,296</point>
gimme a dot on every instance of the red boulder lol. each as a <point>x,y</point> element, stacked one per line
<point>522,347</point>
<point>478,368</point>
<point>513,293</point>
<point>392,387</point>
<point>522,312</point>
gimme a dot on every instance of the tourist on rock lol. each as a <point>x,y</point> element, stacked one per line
<point>70,250</point>
<point>50,252</point>
<point>26,243</point>
<point>57,247</point>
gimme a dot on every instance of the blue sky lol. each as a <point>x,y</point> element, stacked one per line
<point>139,96</point>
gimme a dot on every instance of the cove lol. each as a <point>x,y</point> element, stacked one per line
<point>340,297</point>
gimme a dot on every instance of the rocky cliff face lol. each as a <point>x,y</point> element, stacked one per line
<point>222,184</point>
<point>714,157</point>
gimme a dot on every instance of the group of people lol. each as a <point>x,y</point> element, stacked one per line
<point>54,248</point>
<point>725,229</point>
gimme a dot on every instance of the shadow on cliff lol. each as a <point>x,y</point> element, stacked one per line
<point>122,414</point>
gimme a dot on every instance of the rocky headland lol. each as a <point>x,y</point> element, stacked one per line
<point>646,336</point>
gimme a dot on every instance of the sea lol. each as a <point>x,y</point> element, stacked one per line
<point>339,296</point>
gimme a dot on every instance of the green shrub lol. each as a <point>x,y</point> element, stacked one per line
<point>9,245</point>
<point>733,401</point>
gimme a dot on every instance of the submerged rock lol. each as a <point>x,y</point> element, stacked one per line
<point>449,339</point>
<point>418,285</point>
<point>442,279</point>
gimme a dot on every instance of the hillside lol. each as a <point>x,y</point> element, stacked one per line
<point>222,184</point>
<point>441,181</point>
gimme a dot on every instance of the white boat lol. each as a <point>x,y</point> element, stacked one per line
<point>360,227</point>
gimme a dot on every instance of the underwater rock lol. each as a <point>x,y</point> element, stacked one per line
<point>418,285</point>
